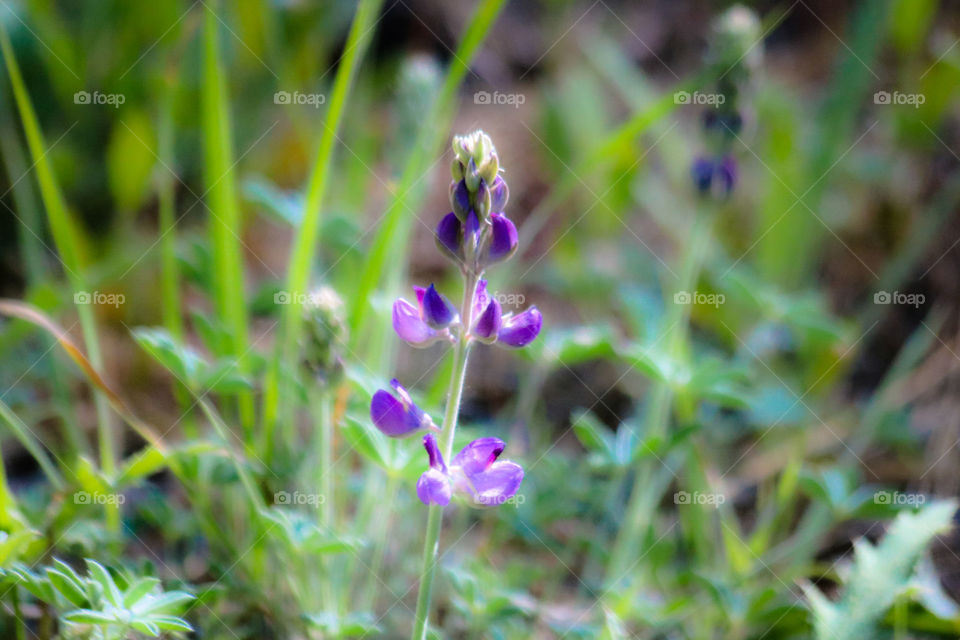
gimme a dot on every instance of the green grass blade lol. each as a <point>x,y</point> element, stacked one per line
<point>225,222</point>
<point>66,237</point>
<point>305,243</point>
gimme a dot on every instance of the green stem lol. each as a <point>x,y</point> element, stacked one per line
<point>323,420</point>
<point>435,517</point>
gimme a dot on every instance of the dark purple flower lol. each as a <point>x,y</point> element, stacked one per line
<point>395,414</point>
<point>426,323</point>
<point>702,173</point>
<point>437,310</point>
<point>486,315</point>
<point>714,176</point>
<point>521,329</point>
<point>725,173</point>
<point>448,237</point>
<point>499,194</point>
<point>460,199</point>
<point>503,239</point>
<point>474,473</point>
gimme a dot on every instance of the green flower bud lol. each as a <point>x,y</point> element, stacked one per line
<point>490,168</point>
<point>736,38</point>
<point>325,332</point>
<point>472,176</point>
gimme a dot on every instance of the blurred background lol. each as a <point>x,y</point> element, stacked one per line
<point>818,352</point>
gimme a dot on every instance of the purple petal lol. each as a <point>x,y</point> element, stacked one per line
<point>437,310</point>
<point>499,193</point>
<point>726,173</point>
<point>409,326</point>
<point>478,455</point>
<point>433,487</point>
<point>480,298</point>
<point>448,237</point>
<point>433,452</point>
<point>391,416</point>
<point>460,199</point>
<point>471,230</point>
<point>503,238</point>
<point>496,485</point>
<point>420,292</point>
<point>702,173</point>
<point>520,330</point>
<point>487,326</point>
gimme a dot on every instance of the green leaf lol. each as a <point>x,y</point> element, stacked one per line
<point>73,591</point>
<point>138,590</point>
<point>879,575</point>
<point>89,616</point>
<point>110,590</point>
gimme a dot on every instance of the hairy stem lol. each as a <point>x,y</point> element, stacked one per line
<point>435,517</point>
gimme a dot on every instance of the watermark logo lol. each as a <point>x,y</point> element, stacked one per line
<point>85,497</point>
<point>697,497</point>
<point>98,97</point>
<point>897,97</point>
<point>516,500</point>
<point>497,98</point>
<point>295,297</point>
<point>696,297</point>
<point>899,499</point>
<point>710,99</point>
<point>298,97</point>
<point>96,297</point>
<point>515,300</point>
<point>914,300</point>
<point>298,498</point>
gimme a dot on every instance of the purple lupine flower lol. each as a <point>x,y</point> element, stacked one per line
<point>521,329</point>
<point>714,176</point>
<point>395,414</point>
<point>503,239</point>
<point>427,322</point>
<point>487,315</point>
<point>474,473</point>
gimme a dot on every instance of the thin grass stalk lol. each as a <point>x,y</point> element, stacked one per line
<point>225,221</point>
<point>32,247</point>
<point>67,239</point>
<point>305,241</point>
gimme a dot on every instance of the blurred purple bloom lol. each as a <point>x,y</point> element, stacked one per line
<point>521,329</point>
<point>425,323</point>
<point>474,473</point>
<point>395,414</point>
<point>714,175</point>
